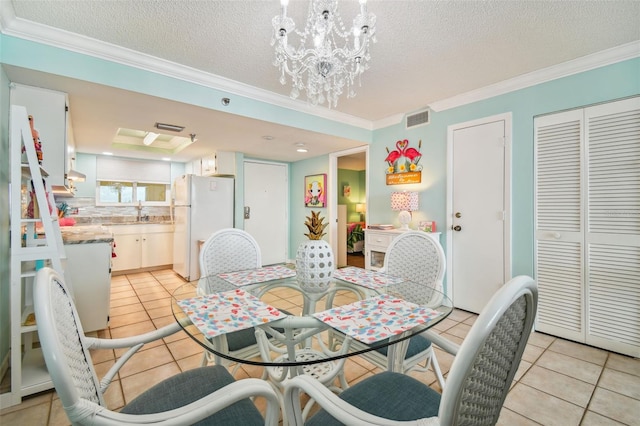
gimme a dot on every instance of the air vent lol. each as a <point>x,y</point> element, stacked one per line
<point>418,119</point>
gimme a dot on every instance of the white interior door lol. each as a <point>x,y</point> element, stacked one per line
<point>334,238</point>
<point>478,212</point>
<point>342,235</point>
<point>266,194</point>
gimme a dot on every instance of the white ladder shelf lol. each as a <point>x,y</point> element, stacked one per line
<point>29,251</point>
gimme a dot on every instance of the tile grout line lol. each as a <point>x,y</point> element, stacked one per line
<point>595,387</point>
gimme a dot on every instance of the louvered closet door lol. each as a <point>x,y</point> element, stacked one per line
<point>587,212</point>
<point>612,135</point>
<point>558,227</point>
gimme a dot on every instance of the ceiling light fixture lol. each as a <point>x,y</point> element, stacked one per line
<point>170,127</point>
<point>331,60</point>
<point>301,147</point>
<point>150,138</point>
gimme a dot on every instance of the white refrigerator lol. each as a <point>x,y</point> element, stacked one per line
<point>203,205</point>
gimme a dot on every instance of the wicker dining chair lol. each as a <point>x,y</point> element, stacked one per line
<point>230,250</point>
<point>482,372</point>
<point>414,256</point>
<point>206,395</point>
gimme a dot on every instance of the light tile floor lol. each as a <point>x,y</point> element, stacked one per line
<point>558,383</point>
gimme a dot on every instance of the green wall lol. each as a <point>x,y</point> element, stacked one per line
<point>357,181</point>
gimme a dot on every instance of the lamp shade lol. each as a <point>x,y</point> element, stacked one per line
<point>360,208</point>
<point>404,201</point>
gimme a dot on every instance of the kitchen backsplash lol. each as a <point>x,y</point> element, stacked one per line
<point>85,212</point>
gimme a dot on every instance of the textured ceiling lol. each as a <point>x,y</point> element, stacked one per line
<point>427,51</point>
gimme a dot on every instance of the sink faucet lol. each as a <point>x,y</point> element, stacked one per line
<point>139,208</point>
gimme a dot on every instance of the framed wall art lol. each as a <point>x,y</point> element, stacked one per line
<point>315,190</point>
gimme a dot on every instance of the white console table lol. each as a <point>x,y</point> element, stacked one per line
<point>376,243</point>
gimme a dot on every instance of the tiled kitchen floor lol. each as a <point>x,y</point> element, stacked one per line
<point>558,383</point>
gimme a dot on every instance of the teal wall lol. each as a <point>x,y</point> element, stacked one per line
<point>5,332</point>
<point>32,55</point>
<point>600,85</point>
<point>298,211</point>
<point>86,163</point>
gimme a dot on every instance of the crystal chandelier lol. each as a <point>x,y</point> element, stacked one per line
<point>328,57</point>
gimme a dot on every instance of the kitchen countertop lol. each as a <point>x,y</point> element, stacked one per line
<point>166,222</point>
<point>85,234</point>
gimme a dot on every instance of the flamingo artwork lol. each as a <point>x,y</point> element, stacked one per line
<point>403,158</point>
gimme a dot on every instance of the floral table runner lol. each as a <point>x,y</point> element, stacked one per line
<point>234,310</point>
<point>376,318</point>
<point>366,278</point>
<point>259,275</point>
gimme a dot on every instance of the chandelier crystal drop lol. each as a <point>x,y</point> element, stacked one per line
<point>328,58</point>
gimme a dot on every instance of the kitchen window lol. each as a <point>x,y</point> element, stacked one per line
<point>111,192</point>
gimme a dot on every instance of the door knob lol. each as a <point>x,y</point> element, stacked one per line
<point>458,215</point>
<point>457,228</point>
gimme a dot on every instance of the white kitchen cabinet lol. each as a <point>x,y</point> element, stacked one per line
<point>49,111</point>
<point>377,242</point>
<point>88,272</point>
<point>127,251</point>
<point>132,170</point>
<point>142,246</point>
<point>194,167</point>
<point>219,163</point>
<point>157,249</point>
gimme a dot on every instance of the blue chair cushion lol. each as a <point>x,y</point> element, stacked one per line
<point>241,339</point>
<point>247,337</point>
<point>389,395</point>
<point>190,386</point>
<point>417,344</point>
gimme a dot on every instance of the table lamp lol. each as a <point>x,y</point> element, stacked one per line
<point>405,202</point>
<point>361,208</point>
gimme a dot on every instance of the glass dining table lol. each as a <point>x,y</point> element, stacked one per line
<point>371,309</point>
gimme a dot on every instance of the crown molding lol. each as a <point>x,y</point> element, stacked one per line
<point>389,121</point>
<point>44,34</point>
<point>28,30</point>
<point>575,66</point>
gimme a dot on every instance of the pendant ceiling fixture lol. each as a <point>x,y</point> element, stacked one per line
<point>328,58</point>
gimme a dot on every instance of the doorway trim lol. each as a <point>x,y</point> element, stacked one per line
<point>332,180</point>
<point>507,176</point>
